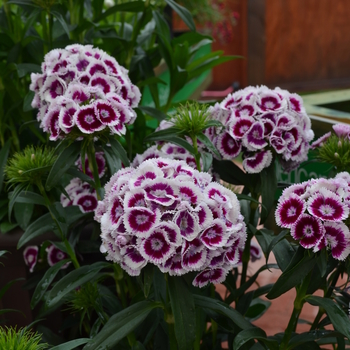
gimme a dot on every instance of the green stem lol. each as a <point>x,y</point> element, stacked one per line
<point>197,156</point>
<point>298,305</point>
<point>246,252</point>
<point>169,319</point>
<point>94,167</point>
<point>327,294</point>
<point>45,33</point>
<point>70,251</point>
<point>50,30</point>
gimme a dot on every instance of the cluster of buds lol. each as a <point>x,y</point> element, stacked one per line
<point>54,255</point>
<point>316,211</point>
<point>166,213</point>
<point>83,90</point>
<point>260,122</point>
<point>81,193</point>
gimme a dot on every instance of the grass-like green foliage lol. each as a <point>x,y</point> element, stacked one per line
<point>23,339</point>
<point>336,151</point>
<point>30,166</point>
<point>191,118</point>
<point>85,298</point>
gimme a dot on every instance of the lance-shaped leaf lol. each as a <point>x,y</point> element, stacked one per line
<point>119,150</point>
<point>296,271</point>
<point>153,112</point>
<point>63,162</point>
<point>29,197</point>
<point>251,334</point>
<point>120,325</point>
<point>72,281</point>
<point>73,344</point>
<point>183,309</point>
<point>338,317</point>
<point>207,143</point>
<point>45,282</point>
<point>162,135</point>
<point>40,226</point>
<point>183,13</point>
<point>4,152</point>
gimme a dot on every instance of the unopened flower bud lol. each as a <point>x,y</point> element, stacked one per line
<point>336,155</point>
<point>339,143</point>
<point>20,171</point>
<point>32,157</point>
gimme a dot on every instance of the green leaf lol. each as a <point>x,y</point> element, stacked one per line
<point>231,173</point>
<point>18,189</point>
<point>23,2</point>
<point>120,325</point>
<point>301,339</point>
<point>301,264</point>
<point>119,150</point>
<point>148,273</point>
<point>64,161</point>
<point>251,334</point>
<point>268,189</point>
<point>207,143</point>
<point>23,213</point>
<point>209,65</point>
<point>77,173</point>
<point>4,153</point>
<point>183,309</point>
<point>8,285</point>
<point>130,6</point>
<point>27,102</point>
<point>207,161</point>
<point>257,308</point>
<point>162,135</point>
<point>45,282</point>
<point>214,123</point>
<point>183,13</point>
<point>73,280</point>
<point>181,142</point>
<point>40,226</point>
<point>24,69</point>
<point>153,112</point>
<point>275,241</point>
<point>114,162</point>
<point>222,308</point>
<point>7,226</point>
<point>338,317</point>
<point>71,344</point>
<point>62,21</point>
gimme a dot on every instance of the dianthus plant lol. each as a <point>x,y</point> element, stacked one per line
<point>83,90</point>
<point>316,212</point>
<point>168,214</point>
<point>262,123</point>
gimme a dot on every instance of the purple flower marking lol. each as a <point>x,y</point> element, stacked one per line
<point>187,224</point>
<point>326,205</point>
<point>244,111</point>
<point>55,255</point>
<point>257,162</point>
<point>30,256</point>
<point>87,121</point>
<point>133,258</point>
<point>160,192</point>
<point>209,276</point>
<point>270,103</point>
<point>194,255</point>
<point>337,237</point>
<point>87,202</point>
<point>140,220</point>
<point>155,247</point>
<point>289,210</point>
<point>240,126</point>
<point>82,64</point>
<point>214,236</point>
<point>254,138</point>
<point>135,199</point>
<point>116,210</point>
<point>308,229</point>
<point>228,146</point>
<point>97,68</point>
<point>101,82</point>
<point>106,113</point>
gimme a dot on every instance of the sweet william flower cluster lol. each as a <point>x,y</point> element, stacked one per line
<point>315,211</point>
<point>260,122</point>
<point>83,90</point>
<point>166,213</point>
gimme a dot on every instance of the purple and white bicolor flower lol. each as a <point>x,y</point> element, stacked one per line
<point>30,256</point>
<point>55,255</point>
<point>91,91</point>
<point>316,211</point>
<point>168,214</point>
<point>258,119</point>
